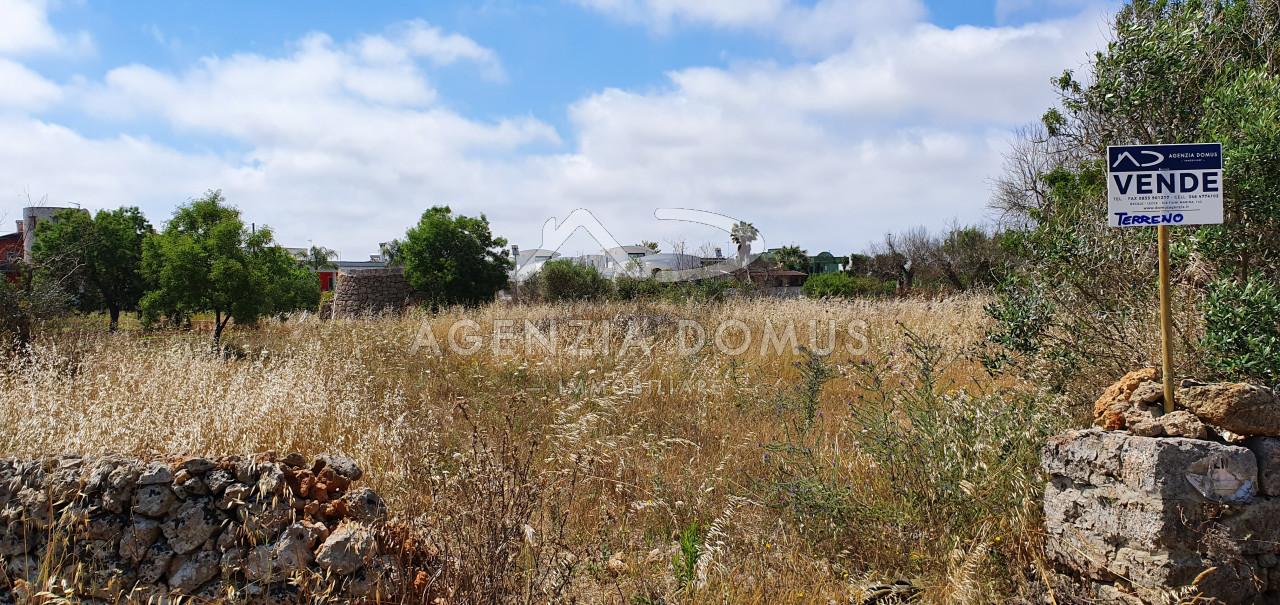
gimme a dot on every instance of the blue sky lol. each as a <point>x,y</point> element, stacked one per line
<point>823,122</point>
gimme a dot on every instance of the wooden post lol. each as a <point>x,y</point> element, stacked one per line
<point>1166,318</point>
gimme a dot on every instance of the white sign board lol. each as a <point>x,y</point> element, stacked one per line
<point>1149,185</point>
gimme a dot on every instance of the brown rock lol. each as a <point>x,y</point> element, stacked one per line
<point>1124,387</point>
<point>1115,409</point>
<point>1240,408</point>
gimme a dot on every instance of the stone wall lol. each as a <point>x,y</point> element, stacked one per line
<point>1163,508</point>
<point>371,291</point>
<point>259,528</point>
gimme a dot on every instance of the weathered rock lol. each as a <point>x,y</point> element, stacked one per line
<point>1243,409</point>
<point>196,466</point>
<point>342,465</point>
<point>348,549</point>
<point>258,563</point>
<point>134,530</point>
<point>1267,451</point>
<point>190,525</point>
<point>1180,423</point>
<point>155,563</point>
<point>1158,512</point>
<point>156,474</point>
<point>294,550</point>
<point>14,540</point>
<point>154,500</point>
<point>218,481</point>
<point>1108,410</point>
<point>364,505</point>
<point>138,537</point>
<point>190,572</point>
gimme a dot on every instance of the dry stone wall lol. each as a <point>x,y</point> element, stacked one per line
<point>371,291</point>
<point>1168,508</point>
<point>261,528</point>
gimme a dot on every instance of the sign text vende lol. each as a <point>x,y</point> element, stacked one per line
<point>1151,185</point>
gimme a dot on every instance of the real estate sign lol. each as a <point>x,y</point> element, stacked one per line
<point>1151,185</point>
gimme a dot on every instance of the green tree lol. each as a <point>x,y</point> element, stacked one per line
<point>454,259</point>
<point>559,280</point>
<point>290,285</point>
<point>205,260</point>
<point>320,258</point>
<point>98,256</point>
<point>793,258</point>
<point>1177,71</point>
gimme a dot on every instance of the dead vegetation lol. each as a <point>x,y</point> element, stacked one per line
<point>643,473</point>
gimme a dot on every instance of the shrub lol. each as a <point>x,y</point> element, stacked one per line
<point>15,318</point>
<point>567,280</point>
<point>636,288</point>
<point>842,285</point>
<point>1242,329</point>
<point>947,467</point>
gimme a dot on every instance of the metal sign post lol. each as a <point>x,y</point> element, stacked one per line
<point>1158,186</point>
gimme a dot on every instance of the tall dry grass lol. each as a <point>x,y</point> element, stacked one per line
<point>637,475</point>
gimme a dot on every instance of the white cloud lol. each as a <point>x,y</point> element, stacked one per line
<point>821,26</point>
<point>346,144</point>
<point>25,89</point>
<point>663,13</point>
<point>25,28</point>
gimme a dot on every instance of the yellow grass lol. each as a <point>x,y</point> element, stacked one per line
<point>627,447</point>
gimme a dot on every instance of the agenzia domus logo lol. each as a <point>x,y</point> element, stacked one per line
<point>556,233</point>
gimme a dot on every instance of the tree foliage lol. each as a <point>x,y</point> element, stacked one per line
<point>96,257</point>
<point>1177,71</point>
<point>205,260</point>
<point>454,259</point>
<point>561,280</point>
<point>792,258</point>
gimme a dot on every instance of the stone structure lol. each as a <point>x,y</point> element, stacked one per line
<point>371,291</point>
<point>262,528</point>
<point>1167,508</point>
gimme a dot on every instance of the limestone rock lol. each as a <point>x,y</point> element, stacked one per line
<point>154,500</point>
<point>345,467</point>
<point>1148,510</point>
<point>190,526</point>
<point>156,474</point>
<point>293,551</point>
<point>138,537</point>
<point>363,504</point>
<point>191,572</point>
<point>155,563</point>
<point>347,549</point>
<point>1180,423</point>
<point>1267,450</point>
<point>1243,409</point>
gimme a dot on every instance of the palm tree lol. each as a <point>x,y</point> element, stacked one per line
<point>320,258</point>
<point>743,234</point>
<point>793,258</point>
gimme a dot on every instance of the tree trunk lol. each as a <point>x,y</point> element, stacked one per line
<point>115,318</point>
<point>218,324</point>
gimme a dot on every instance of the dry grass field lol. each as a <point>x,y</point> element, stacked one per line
<point>633,472</point>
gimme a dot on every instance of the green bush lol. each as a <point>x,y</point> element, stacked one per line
<point>1242,329</point>
<point>843,285</point>
<point>567,280</point>
<point>948,464</point>
<point>636,288</point>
